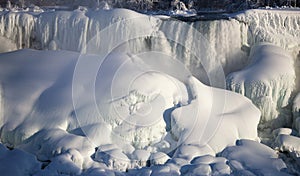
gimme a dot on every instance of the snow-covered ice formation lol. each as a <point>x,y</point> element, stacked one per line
<point>252,158</point>
<point>268,80</point>
<point>280,27</point>
<point>39,117</point>
<point>287,141</point>
<point>72,30</point>
<point>65,113</point>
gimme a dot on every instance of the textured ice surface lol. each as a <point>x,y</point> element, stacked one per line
<point>74,29</point>
<point>268,80</point>
<point>280,27</point>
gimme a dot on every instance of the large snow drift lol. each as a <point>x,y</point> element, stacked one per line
<point>268,80</point>
<point>129,110</point>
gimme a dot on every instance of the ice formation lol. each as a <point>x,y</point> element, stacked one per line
<point>287,140</point>
<point>280,27</point>
<point>296,112</point>
<point>72,30</point>
<point>129,115</point>
<point>39,118</point>
<point>268,80</point>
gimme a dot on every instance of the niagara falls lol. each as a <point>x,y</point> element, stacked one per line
<point>150,87</point>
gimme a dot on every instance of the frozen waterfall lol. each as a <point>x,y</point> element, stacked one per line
<point>223,42</point>
<point>128,101</point>
<point>268,80</point>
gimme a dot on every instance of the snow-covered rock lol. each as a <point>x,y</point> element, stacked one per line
<point>141,157</point>
<point>279,131</point>
<point>207,165</point>
<point>290,144</point>
<point>159,158</point>
<point>196,169</point>
<point>17,162</point>
<point>67,164</point>
<point>114,159</point>
<point>268,80</point>
<point>252,158</point>
<point>47,144</point>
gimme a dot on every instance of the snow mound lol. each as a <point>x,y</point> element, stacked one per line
<point>201,130</point>
<point>17,162</point>
<point>252,158</point>
<point>141,114</point>
<point>207,165</point>
<point>290,144</point>
<point>268,80</point>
